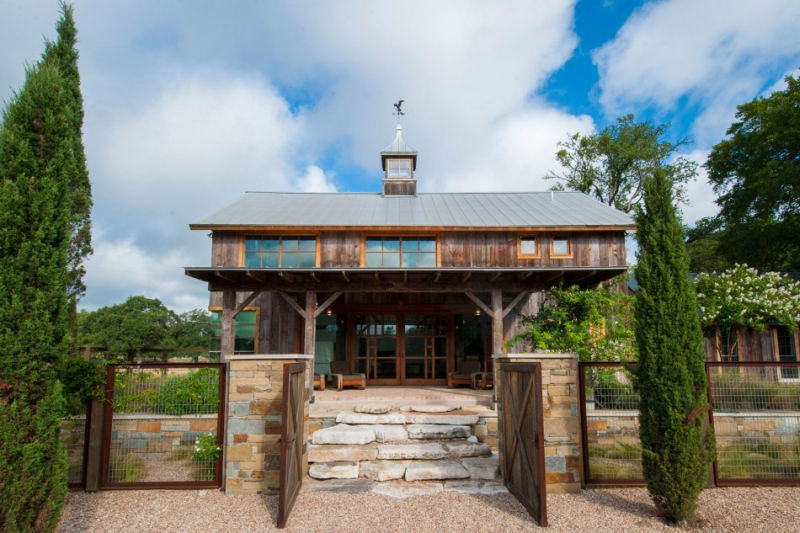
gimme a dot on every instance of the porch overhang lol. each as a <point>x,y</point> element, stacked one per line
<point>431,280</point>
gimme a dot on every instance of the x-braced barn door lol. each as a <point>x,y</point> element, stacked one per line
<point>292,438</point>
<point>522,436</point>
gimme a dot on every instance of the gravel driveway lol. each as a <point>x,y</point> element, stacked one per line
<point>728,509</point>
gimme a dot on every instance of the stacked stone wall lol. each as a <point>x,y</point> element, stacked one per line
<point>253,429</point>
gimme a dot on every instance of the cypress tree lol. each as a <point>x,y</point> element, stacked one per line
<point>671,379</point>
<point>35,156</point>
<point>64,54</point>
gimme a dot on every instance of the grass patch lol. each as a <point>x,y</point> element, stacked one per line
<point>759,460</point>
<point>125,469</point>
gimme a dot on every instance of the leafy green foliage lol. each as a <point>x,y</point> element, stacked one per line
<point>741,297</point>
<point>81,380</point>
<point>671,380</point>
<point>594,323</point>
<point>141,324</point>
<point>206,447</point>
<point>756,175</point>
<point>613,164</point>
<point>702,245</point>
<point>180,394</point>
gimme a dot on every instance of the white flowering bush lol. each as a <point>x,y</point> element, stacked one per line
<point>206,447</point>
<point>740,297</point>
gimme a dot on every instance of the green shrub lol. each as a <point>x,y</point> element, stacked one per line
<point>191,393</point>
<point>609,393</point>
<point>738,393</point>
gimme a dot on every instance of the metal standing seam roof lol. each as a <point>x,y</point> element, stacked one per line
<point>450,210</point>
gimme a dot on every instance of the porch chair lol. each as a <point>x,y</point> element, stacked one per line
<point>483,380</point>
<point>319,381</point>
<point>343,378</point>
<point>465,375</point>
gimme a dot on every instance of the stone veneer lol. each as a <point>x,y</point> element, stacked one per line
<point>562,426</point>
<point>253,422</point>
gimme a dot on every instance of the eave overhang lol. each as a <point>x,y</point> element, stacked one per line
<point>430,280</point>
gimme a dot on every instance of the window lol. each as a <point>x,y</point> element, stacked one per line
<point>398,168</point>
<point>280,252</point>
<point>560,248</point>
<point>786,351</point>
<point>528,247</point>
<point>244,332</point>
<point>728,345</point>
<point>408,252</point>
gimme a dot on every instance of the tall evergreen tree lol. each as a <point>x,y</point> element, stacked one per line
<point>63,52</point>
<point>36,154</point>
<point>671,378</point>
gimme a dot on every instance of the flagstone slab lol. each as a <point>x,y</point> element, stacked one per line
<point>412,450</point>
<point>468,449</point>
<point>329,453</point>
<point>487,468</point>
<point>372,409</point>
<point>343,434</point>
<point>428,470</point>
<point>437,431</point>
<point>343,470</point>
<point>385,433</point>
<point>365,418</point>
<point>382,470</point>
<point>435,418</point>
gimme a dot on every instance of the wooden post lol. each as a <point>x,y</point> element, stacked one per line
<point>310,337</point>
<point>95,445</point>
<point>497,335</point>
<point>227,340</point>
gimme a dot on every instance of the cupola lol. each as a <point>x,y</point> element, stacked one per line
<point>399,163</point>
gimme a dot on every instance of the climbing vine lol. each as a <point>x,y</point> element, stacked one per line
<point>594,323</point>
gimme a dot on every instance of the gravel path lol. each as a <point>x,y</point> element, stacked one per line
<point>728,509</point>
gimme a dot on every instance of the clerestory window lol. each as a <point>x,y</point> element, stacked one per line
<point>398,168</point>
<point>280,252</point>
<point>395,252</point>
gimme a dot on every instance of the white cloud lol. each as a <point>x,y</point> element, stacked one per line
<point>700,193</point>
<point>121,268</point>
<point>519,152</point>
<point>315,180</point>
<point>697,52</point>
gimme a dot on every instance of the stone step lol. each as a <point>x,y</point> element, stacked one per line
<point>338,470</point>
<point>482,468</point>
<point>466,448</point>
<point>437,431</point>
<point>382,470</point>
<point>328,453</point>
<point>462,419</point>
<point>428,470</point>
<point>412,450</point>
<point>343,434</point>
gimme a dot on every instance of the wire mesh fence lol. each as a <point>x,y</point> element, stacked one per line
<point>163,424</point>
<point>610,409</point>
<point>756,417</point>
<point>73,435</point>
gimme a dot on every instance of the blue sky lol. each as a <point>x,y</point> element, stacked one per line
<point>188,104</point>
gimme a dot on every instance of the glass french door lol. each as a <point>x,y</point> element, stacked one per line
<point>402,348</point>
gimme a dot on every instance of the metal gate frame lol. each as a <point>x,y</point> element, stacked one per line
<point>292,438</point>
<point>527,483</point>
<point>107,422</point>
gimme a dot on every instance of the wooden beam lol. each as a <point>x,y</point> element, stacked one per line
<point>486,309</point>
<point>227,340</point>
<point>294,304</point>
<point>345,276</point>
<point>377,277</point>
<point>327,303</point>
<point>436,277</point>
<point>554,276</point>
<point>466,276</point>
<point>586,276</point>
<point>314,276</point>
<point>254,276</point>
<point>525,275</point>
<point>310,337</point>
<point>405,275</point>
<point>247,301</point>
<point>514,303</point>
<point>224,277</point>
<point>497,321</point>
<point>494,277</point>
<point>285,275</point>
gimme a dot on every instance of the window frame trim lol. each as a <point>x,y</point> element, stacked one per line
<point>570,248</point>
<point>410,168</point>
<point>436,237</point>
<point>317,247</point>
<point>538,254</point>
<point>776,352</point>
<point>256,339</point>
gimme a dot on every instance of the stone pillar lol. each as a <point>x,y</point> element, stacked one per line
<point>562,422</point>
<point>253,422</point>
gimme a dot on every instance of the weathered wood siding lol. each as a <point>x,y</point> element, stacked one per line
<point>280,328</point>
<point>456,249</point>
<point>753,345</point>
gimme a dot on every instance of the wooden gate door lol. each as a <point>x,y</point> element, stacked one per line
<point>292,438</point>
<point>522,436</point>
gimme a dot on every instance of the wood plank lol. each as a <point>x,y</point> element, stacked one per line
<point>293,303</point>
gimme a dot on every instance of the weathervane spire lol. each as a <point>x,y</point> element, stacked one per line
<point>398,111</point>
